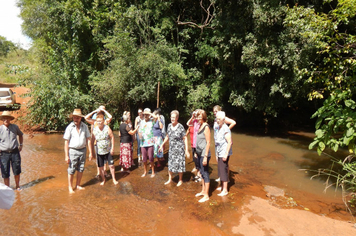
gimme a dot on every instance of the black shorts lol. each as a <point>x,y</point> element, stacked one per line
<point>10,158</point>
<point>104,158</point>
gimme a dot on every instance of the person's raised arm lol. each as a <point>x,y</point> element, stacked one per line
<point>160,122</point>
<point>88,117</point>
<point>108,115</point>
<point>190,121</point>
<point>230,122</point>
<point>132,132</point>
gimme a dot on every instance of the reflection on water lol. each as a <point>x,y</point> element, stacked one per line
<point>145,205</point>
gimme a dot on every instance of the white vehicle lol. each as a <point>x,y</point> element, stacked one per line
<point>7,97</point>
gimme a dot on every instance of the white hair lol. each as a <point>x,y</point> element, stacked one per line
<point>221,114</point>
<point>124,118</point>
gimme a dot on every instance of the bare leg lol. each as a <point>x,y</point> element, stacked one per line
<point>169,178</point>
<point>70,183</point>
<point>180,174</point>
<point>7,182</point>
<point>204,191</point>
<point>79,178</point>
<point>97,171</point>
<point>17,181</point>
<point>153,169</point>
<point>102,175</point>
<point>144,169</point>
<point>112,170</point>
<point>224,191</point>
<point>224,184</point>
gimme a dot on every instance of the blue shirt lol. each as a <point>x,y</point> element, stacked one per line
<point>220,140</point>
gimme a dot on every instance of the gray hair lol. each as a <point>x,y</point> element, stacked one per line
<point>221,114</point>
<point>175,112</point>
<point>124,118</point>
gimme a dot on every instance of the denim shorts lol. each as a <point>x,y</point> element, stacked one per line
<point>77,160</point>
<point>10,158</point>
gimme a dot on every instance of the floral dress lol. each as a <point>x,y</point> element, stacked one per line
<point>176,155</point>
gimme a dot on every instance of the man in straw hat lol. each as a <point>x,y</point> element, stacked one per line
<point>10,149</point>
<point>77,138</point>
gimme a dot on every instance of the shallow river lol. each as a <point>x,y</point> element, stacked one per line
<point>139,206</point>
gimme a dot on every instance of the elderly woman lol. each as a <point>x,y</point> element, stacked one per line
<point>223,143</point>
<point>178,147</point>
<point>126,134</point>
<point>91,119</point>
<point>157,135</point>
<point>145,133</point>
<point>133,137</point>
<point>228,121</point>
<point>104,138</point>
<point>203,154</point>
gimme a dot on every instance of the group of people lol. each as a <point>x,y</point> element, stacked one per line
<point>151,134</point>
<point>200,142</point>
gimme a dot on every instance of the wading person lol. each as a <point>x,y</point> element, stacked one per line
<point>104,138</point>
<point>223,144</point>
<point>157,135</point>
<point>91,119</point>
<point>77,138</point>
<point>10,149</point>
<point>138,120</point>
<point>228,121</point>
<point>126,134</point>
<point>178,148</point>
<point>147,141</point>
<point>203,154</point>
<point>194,125</point>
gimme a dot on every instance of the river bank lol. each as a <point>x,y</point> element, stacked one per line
<point>268,195</point>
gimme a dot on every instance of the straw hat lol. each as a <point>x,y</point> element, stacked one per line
<point>77,112</point>
<point>147,111</point>
<point>6,114</point>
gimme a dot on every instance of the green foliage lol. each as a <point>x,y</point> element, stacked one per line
<point>202,53</point>
<point>332,75</point>
<point>344,174</point>
<point>6,47</point>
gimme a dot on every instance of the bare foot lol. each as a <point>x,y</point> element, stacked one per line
<point>204,199</point>
<point>71,191</point>
<point>199,194</point>
<point>167,182</point>
<point>153,175</point>
<point>102,183</point>
<point>80,187</point>
<point>115,182</point>
<point>223,193</point>
<point>179,183</point>
<point>144,174</point>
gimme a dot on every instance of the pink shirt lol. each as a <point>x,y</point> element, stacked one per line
<point>196,126</point>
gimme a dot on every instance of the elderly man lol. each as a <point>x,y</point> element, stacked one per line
<point>77,138</point>
<point>10,149</point>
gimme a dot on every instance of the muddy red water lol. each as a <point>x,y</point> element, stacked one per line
<point>145,206</point>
